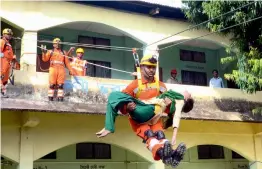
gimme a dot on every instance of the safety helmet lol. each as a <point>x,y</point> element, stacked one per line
<point>7,31</point>
<point>149,60</point>
<point>80,50</point>
<point>56,40</point>
<point>173,71</point>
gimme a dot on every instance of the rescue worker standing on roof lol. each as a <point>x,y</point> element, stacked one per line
<point>7,59</point>
<point>57,74</point>
<point>78,64</point>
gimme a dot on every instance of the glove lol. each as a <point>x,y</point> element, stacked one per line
<point>43,48</point>
<point>1,55</point>
<point>72,73</point>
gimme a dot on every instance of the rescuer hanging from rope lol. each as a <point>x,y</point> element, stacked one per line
<point>8,60</point>
<point>137,100</point>
<point>57,74</point>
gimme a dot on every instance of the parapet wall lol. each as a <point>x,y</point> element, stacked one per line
<point>89,95</point>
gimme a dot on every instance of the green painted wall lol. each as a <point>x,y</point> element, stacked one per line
<point>169,58</point>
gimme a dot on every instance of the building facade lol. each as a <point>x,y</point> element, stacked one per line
<point>221,131</point>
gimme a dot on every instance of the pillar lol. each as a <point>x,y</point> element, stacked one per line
<point>157,165</point>
<point>29,51</point>
<point>257,164</point>
<point>26,155</point>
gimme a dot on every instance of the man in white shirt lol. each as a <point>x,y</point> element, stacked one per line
<point>216,81</point>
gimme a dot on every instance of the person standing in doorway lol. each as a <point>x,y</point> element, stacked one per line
<point>216,81</point>
<point>173,78</point>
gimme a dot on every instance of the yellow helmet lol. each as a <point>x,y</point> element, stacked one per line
<point>7,31</point>
<point>149,60</point>
<point>56,40</point>
<point>80,50</point>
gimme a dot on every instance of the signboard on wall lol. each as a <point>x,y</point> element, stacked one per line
<point>91,165</point>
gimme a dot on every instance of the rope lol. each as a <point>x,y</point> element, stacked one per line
<point>81,44</point>
<point>212,32</point>
<point>96,64</point>
<point>199,24</point>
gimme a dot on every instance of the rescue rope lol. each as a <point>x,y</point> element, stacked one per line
<point>220,30</point>
<point>192,27</point>
<point>95,64</point>
<point>81,44</point>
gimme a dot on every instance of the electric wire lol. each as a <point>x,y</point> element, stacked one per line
<point>198,25</point>
<point>219,30</point>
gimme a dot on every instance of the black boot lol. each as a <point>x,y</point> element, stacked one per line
<point>51,98</point>
<point>3,95</point>
<point>160,135</point>
<point>178,155</point>
<point>60,99</point>
<point>167,160</point>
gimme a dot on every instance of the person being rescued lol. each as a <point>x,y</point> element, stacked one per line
<point>78,64</point>
<point>8,60</point>
<point>58,61</point>
<point>145,100</point>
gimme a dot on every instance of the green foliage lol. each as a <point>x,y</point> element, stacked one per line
<point>257,110</point>
<point>246,39</point>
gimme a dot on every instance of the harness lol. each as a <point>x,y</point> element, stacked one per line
<point>78,64</point>
<point>56,61</point>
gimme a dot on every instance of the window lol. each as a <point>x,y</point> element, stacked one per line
<point>50,156</point>
<point>94,41</point>
<point>160,73</point>
<point>210,152</point>
<point>193,56</point>
<point>194,78</point>
<point>95,71</point>
<point>236,156</point>
<point>93,151</point>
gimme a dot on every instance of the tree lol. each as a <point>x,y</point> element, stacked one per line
<point>246,39</point>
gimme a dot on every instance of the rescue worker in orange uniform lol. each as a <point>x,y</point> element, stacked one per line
<point>8,60</point>
<point>145,87</point>
<point>78,64</point>
<point>58,61</point>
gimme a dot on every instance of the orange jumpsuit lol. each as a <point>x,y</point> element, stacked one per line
<point>79,66</point>
<point>6,60</point>
<point>57,73</point>
<point>150,91</point>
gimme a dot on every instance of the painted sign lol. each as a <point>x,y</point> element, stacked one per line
<point>83,84</point>
<point>82,165</point>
